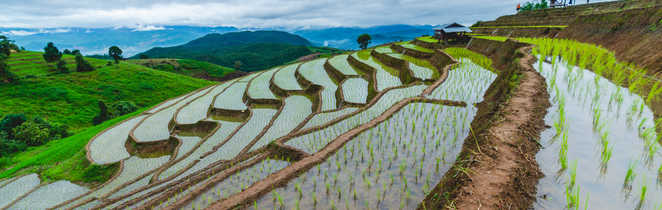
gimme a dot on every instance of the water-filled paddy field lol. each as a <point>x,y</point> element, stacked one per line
<point>602,151</point>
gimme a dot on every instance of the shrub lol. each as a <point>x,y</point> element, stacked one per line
<point>103,114</point>
<point>121,108</point>
<point>62,67</point>
<point>11,121</point>
<point>8,147</point>
<point>32,133</point>
<point>51,53</point>
<point>82,65</point>
<point>6,76</point>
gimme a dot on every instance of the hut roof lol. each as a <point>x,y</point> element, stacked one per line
<point>453,28</point>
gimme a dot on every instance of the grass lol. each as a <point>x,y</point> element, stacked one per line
<point>185,66</point>
<point>477,58</point>
<point>495,38</point>
<point>429,39</point>
<point>64,158</point>
<point>539,26</point>
<point>71,99</point>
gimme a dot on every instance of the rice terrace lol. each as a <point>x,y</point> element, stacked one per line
<point>554,107</point>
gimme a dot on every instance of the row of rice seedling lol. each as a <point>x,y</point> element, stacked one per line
<point>187,144</point>
<point>198,109</point>
<point>231,99</point>
<point>109,146</point>
<point>258,88</point>
<point>422,69</point>
<point>340,63</point>
<point>236,183</point>
<point>467,82</point>
<point>314,72</point>
<point>156,127</point>
<point>295,111</point>
<point>477,58</point>
<point>215,140</point>
<point>385,76</point>
<point>285,78</point>
<point>602,62</point>
<point>18,187</point>
<point>50,195</point>
<point>409,45</point>
<point>599,123</point>
<point>259,120</point>
<point>322,118</point>
<point>355,90</point>
<point>312,142</point>
<point>393,165</point>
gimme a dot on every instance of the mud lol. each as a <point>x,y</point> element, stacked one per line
<point>496,168</point>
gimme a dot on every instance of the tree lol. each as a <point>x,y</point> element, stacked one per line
<point>116,53</point>
<point>5,46</point>
<point>75,52</point>
<point>67,52</point>
<point>364,40</point>
<point>237,64</point>
<point>82,65</point>
<point>143,56</point>
<point>51,53</point>
<point>62,67</point>
<point>11,121</point>
<point>6,76</point>
<point>103,114</point>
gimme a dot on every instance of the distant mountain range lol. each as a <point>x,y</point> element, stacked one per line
<point>255,50</point>
<point>135,40</point>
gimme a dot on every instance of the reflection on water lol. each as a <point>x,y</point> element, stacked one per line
<point>601,151</point>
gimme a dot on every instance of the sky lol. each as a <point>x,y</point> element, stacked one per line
<point>153,14</point>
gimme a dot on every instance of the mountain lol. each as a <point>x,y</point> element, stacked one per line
<point>345,37</point>
<point>133,40</point>
<point>97,40</point>
<point>256,50</point>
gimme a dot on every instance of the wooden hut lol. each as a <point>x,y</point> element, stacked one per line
<point>452,32</point>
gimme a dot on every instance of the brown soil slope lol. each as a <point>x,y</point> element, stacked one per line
<point>496,168</point>
<point>632,29</point>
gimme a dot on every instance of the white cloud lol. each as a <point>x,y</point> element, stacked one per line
<point>152,14</point>
<point>19,33</point>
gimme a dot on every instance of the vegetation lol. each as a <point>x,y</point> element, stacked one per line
<point>254,50</point>
<point>187,67</point>
<point>536,26</point>
<point>82,65</point>
<point>363,40</point>
<point>530,6</point>
<point>63,158</point>
<point>71,99</point>
<point>51,53</point>
<point>116,53</point>
<point>429,39</point>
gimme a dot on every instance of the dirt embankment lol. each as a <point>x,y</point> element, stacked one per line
<point>496,168</point>
<point>632,29</point>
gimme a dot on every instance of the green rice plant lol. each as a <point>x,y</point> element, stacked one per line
<point>563,152</point>
<point>629,176</point>
<point>642,196</point>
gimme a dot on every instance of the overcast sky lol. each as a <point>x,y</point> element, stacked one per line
<point>246,13</point>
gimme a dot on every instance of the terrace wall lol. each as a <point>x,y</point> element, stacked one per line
<point>632,29</point>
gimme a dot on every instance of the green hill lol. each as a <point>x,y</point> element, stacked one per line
<point>72,99</point>
<point>255,50</point>
<point>192,68</point>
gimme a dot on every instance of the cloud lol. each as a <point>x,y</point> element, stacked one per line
<point>19,33</point>
<point>147,28</point>
<point>150,14</point>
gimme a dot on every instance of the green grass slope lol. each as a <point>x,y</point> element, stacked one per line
<point>71,99</point>
<point>192,68</point>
